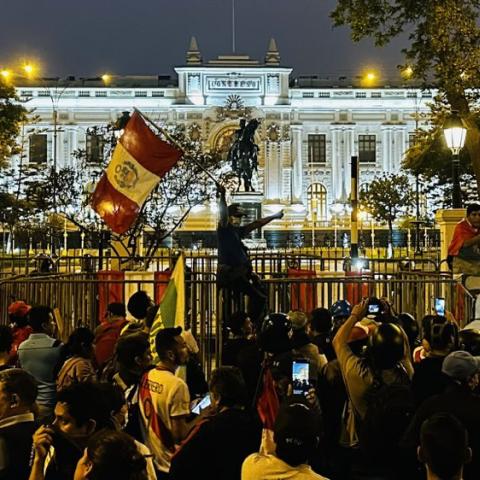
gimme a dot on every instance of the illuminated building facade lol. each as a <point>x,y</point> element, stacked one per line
<point>310,126</point>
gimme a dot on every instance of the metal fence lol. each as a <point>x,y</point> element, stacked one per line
<point>77,296</point>
<point>264,262</point>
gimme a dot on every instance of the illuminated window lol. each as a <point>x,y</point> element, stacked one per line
<point>317,201</point>
<point>37,149</point>
<point>317,148</point>
<point>412,137</point>
<point>367,148</point>
<point>95,148</point>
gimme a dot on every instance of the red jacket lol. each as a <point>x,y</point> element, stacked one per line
<point>464,230</point>
<point>106,337</point>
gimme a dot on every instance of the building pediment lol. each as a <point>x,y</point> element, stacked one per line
<point>212,85</point>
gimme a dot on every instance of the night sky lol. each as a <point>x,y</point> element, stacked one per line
<point>91,37</point>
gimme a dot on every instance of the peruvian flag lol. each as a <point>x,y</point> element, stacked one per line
<point>138,163</point>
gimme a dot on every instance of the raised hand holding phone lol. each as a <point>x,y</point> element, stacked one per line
<point>300,377</point>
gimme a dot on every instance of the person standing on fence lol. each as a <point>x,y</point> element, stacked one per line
<point>234,271</point>
<point>464,249</point>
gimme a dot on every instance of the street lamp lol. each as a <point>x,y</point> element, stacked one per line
<point>455,133</point>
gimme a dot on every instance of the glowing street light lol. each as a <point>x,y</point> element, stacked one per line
<point>6,74</point>
<point>369,78</point>
<point>106,78</point>
<point>455,134</point>
<point>407,72</point>
<point>28,68</point>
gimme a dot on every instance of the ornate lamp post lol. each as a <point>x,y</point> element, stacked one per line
<point>455,133</point>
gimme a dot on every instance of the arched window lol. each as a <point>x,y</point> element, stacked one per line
<point>317,202</point>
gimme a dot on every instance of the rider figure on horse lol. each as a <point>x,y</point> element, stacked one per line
<point>244,152</point>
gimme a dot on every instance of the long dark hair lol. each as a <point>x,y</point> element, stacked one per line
<point>115,455</point>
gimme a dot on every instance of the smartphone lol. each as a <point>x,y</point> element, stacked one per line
<point>202,404</point>
<point>440,306</point>
<point>300,377</point>
<point>374,308</point>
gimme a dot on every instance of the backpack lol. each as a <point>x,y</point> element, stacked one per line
<point>134,423</point>
<point>390,409</point>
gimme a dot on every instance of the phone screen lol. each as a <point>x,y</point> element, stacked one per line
<point>202,404</point>
<point>300,377</point>
<point>440,305</point>
<point>373,308</point>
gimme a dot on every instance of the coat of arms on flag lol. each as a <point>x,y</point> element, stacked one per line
<point>138,163</point>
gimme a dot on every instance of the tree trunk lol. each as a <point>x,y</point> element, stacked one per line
<point>390,233</point>
<point>472,144</point>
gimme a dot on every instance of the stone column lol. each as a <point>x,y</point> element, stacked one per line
<point>386,148</point>
<point>273,180</point>
<point>348,151</point>
<point>297,163</point>
<point>336,170</point>
<point>446,220</point>
<point>398,150</point>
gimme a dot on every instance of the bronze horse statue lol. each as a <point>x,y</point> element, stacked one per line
<point>243,154</point>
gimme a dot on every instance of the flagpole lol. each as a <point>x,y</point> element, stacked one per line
<point>168,136</point>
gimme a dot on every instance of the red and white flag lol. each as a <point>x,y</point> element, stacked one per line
<point>138,163</point>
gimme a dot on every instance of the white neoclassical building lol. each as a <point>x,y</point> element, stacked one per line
<point>310,125</point>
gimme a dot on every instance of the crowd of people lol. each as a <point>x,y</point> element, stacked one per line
<point>379,396</point>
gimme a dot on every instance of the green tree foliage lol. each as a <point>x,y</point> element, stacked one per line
<point>12,116</point>
<point>387,198</point>
<point>66,193</point>
<point>443,51</point>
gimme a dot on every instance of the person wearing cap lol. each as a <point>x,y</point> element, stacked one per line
<point>387,357</point>
<point>296,436</point>
<point>462,371</point>
<point>234,269</point>
<point>164,400</point>
<point>21,330</point>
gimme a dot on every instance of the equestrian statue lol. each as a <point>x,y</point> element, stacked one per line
<point>243,153</point>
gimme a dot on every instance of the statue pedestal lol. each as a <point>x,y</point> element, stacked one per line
<point>446,220</point>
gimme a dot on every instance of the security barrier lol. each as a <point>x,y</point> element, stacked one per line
<point>205,261</point>
<point>76,297</point>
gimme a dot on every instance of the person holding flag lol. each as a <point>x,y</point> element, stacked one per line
<point>234,271</point>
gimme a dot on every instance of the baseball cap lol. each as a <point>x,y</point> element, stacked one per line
<point>170,332</point>
<point>235,210</point>
<point>18,308</point>
<point>460,365</point>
